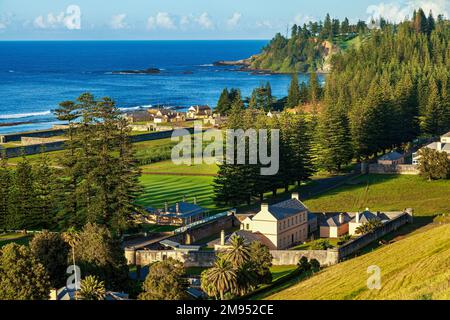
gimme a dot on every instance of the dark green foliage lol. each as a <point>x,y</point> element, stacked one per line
<point>52,252</point>
<point>434,164</point>
<point>165,281</point>
<point>305,50</point>
<point>294,96</point>
<point>22,277</point>
<point>99,254</point>
<point>238,183</point>
<point>99,175</point>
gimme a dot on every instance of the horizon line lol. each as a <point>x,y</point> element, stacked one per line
<point>74,40</point>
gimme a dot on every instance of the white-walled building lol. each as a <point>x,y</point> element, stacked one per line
<point>443,145</point>
<point>284,224</point>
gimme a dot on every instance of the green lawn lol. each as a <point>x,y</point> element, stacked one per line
<point>281,271</point>
<point>18,238</point>
<point>414,268</point>
<point>308,245</point>
<point>388,193</point>
<point>169,166</point>
<point>171,188</point>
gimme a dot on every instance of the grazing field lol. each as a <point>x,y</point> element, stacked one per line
<point>388,193</point>
<point>415,268</point>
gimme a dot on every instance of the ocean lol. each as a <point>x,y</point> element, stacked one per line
<point>37,75</point>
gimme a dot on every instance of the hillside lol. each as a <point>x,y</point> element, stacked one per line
<point>415,268</point>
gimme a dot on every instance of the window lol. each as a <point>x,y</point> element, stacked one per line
<point>248,226</point>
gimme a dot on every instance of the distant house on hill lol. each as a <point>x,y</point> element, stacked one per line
<point>392,158</point>
<point>443,145</point>
<point>165,115</point>
<point>199,112</point>
<point>284,224</point>
<point>139,116</point>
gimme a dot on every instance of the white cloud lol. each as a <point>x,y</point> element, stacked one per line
<point>205,21</point>
<point>71,19</point>
<point>264,24</point>
<point>394,12</point>
<point>118,22</point>
<point>161,20</point>
<point>5,20</point>
<point>234,20</point>
<point>301,19</point>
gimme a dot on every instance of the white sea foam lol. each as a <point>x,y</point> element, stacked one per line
<point>207,65</point>
<point>25,115</point>
<point>136,108</point>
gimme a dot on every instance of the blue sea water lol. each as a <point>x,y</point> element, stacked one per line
<point>36,76</point>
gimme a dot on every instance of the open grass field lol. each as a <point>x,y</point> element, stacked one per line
<point>171,188</point>
<point>415,268</point>
<point>388,193</point>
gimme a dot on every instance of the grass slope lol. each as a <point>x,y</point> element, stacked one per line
<point>417,267</point>
<point>388,193</point>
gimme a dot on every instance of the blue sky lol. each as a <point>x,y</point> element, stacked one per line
<point>185,19</point>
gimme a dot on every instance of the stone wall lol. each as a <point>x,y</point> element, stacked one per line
<point>291,257</point>
<point>33,149</point>
<point>393,169</point>
<point>190,258</point>
<point>41,133</point>
<point>155,135</point>
<point>206,258</point>
<point>357,244</point>
<point>39,140</point>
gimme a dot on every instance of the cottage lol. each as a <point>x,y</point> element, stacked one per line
<point>361,218</point>
<point>392,158</point>
<point>199,112</point>
<point>443,145</point>
<point>284,224</point>
<point>334,225</point>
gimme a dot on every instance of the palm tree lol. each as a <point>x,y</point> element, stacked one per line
<point>368,226</point>
<point>239,253</point>
<point>92,289</point>
<point>221,278</point>
<point>72,237</point>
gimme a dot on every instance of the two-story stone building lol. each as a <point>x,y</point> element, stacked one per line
<point>284,224</point>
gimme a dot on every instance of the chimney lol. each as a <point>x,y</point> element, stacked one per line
<point>166,207</point>
<point>195,200</point>
<point>341,218</point>
<point>264,206</point>
<point>222,237</point>
<point>357,217</point>
<point>295,195</point>
<point>177,207</point>
<point>439,146</point>
<point>184,198</point>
